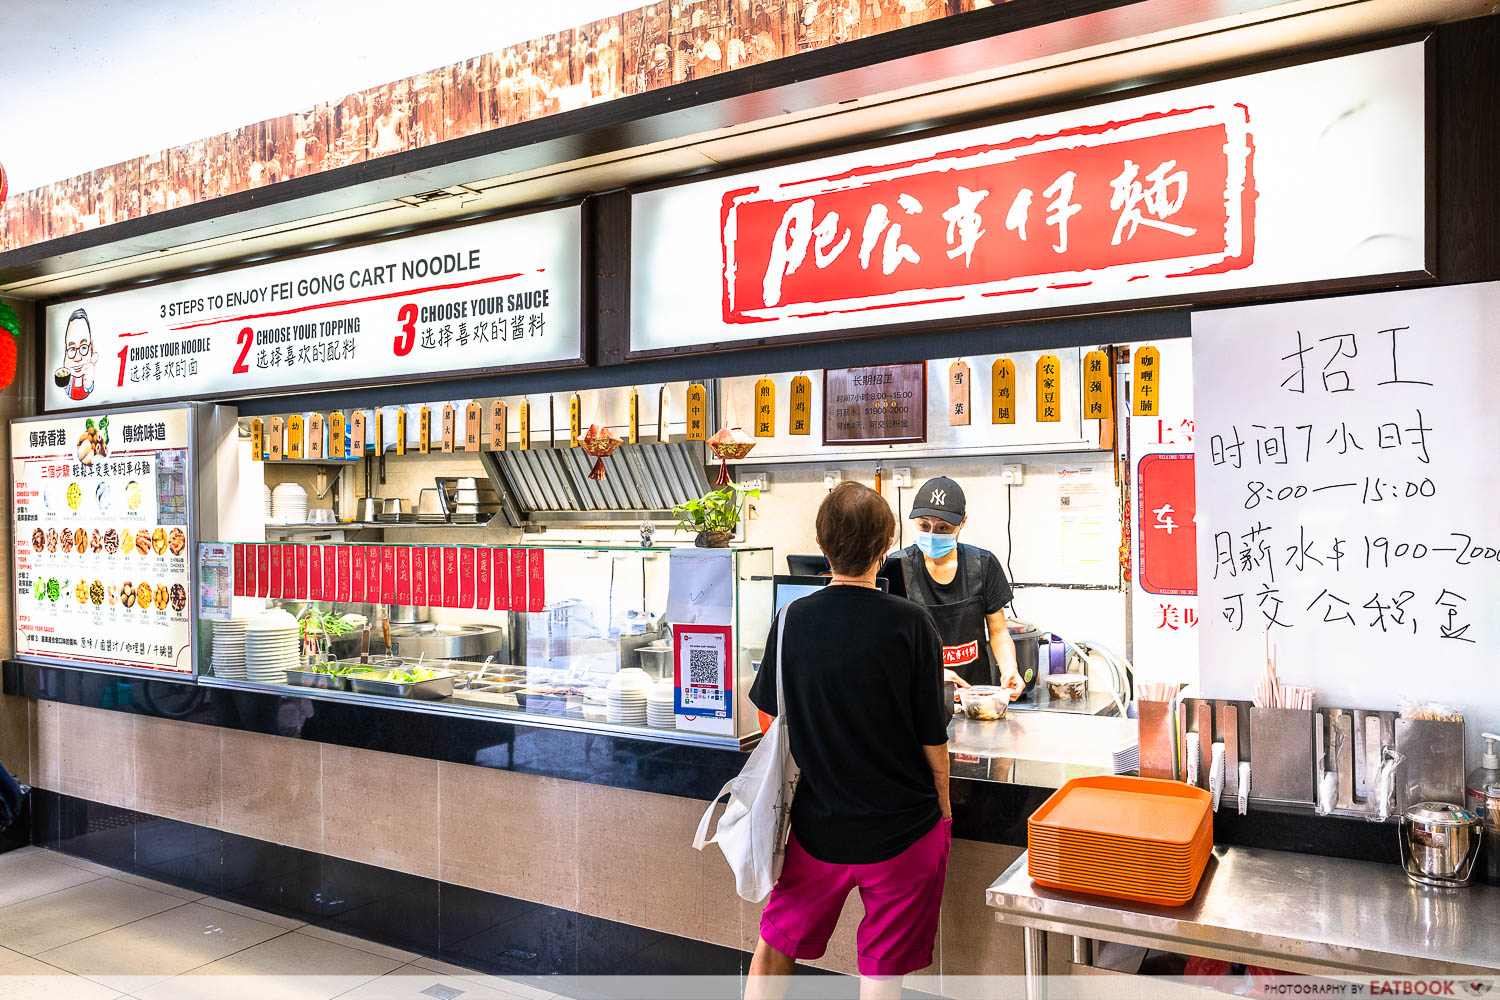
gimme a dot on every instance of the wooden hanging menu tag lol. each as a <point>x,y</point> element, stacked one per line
<point>424,430</point>
<point>473,415</point>
<point>697,412</point>
<point>800,421</point>
<point>958,394</point>
<point>1147,381</point>
<point>663,427</point>
<point>1048,389</point>
<point>278,434</point>
<point>1097,404</point>
<point>315,436</point>
<point>633,434</point>
<point>257,440</point>
<point>377,431</point>
<point>765,408</point>
<point>401,430</point>
<point>1003,391</point>
<point>450,429</point>
<point>336,434</point>
<point>524,440</point>
<point>575,420</point>
<point>294,430</point>
<point>499,426</point>
<point>357,434</point>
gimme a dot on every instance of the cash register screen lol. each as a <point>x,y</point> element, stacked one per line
<point>789,588</point>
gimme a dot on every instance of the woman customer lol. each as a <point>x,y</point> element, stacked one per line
<point>868,724</point>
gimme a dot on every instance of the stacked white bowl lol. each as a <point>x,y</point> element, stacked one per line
<point>661,709</point>
<point>271,647</point>
<point>269,505</point>
<point>625,697</point>
<point>229,649</point>
<point>289,504</point>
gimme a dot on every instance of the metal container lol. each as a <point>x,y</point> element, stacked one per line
<point>379,682</point>
<point>656,659</point>
<point>321,681</point>
<point>391,509</point>
<point>438,641</point>
<point>369,510</point>
<point>401,614</point>
<point>1439,843</point>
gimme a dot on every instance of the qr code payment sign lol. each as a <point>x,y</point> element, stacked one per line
<point>703,667</point>
<point>703,671</point>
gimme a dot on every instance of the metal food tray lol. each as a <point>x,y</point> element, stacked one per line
<point>315,679</point>
<point>376,682</point>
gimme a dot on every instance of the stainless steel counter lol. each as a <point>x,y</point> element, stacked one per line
<point>1036,748</point>
<point>1298,913</point>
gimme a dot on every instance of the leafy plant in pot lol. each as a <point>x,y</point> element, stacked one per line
<point>714,516</point>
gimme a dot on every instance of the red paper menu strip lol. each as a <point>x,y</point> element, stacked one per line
<point>358,575</point>
<point>302,592</point>
<point>372,573</point>
<point>419,578</point>
<point>240,578</point>
<point>330,573</point>
<point>482,579</point>
<point>278,580</point>
<point>536,580</point>
<point>466,577</point>
<point>315,572</point>
<point>450,577</point>
<point>345,588</point>
<point>289,572</point>
<point>518,579</point>
<point>434,577</point>
<point>387,574</point>
<point>403,576</point>
<point>262,571</point>
<point>501,582</point>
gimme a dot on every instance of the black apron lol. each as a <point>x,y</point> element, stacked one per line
<point>961,626</point>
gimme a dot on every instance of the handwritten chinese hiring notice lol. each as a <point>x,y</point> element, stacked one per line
<point>1346,496</point>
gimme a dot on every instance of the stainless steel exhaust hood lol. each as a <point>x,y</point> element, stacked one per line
<point>644,482</point>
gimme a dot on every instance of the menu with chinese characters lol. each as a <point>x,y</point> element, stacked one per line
<point>100,508</point>
<point>877,404</point>
<point>1346,497</point>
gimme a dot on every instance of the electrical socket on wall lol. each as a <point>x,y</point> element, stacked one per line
<point>1010,475</point>
<point>757,481</point>
<point>902,478</point>
<point>831,478</point>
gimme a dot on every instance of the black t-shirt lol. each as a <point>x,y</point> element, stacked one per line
<point>864,683</point>
<point>995,587</point>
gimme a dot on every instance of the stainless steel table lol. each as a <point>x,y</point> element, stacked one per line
<point>1044,749</point>
<point>1296,912</point>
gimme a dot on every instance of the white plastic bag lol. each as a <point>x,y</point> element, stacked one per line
<point>757,821</point>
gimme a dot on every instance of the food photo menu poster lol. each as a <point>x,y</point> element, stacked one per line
<point>100,510</point>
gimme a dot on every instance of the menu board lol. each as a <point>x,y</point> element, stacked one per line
<point>1346,491</point>
<point>100,508</point>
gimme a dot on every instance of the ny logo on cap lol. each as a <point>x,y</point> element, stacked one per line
<point>938,498</point>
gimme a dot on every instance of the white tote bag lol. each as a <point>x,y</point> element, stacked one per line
<point>755,825</point>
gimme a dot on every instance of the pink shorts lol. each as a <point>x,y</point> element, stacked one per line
<point>902,900</point>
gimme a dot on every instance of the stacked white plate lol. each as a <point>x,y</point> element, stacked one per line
<point>269,505</point>
<point>229,649</point>
<point>625,697</point>
<point>271,647</point>
<point>660,706</point>
<point>289,504</point>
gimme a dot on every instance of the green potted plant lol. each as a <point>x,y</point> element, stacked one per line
<point>713,516</point>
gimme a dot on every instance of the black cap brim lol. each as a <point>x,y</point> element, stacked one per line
<point>947,517</point>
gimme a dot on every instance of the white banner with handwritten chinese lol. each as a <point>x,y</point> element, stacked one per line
<point>461,300</point>
<point>1253,182</point>
<point>1347,497</point>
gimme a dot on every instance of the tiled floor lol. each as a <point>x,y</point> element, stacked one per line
<point>74,930</point>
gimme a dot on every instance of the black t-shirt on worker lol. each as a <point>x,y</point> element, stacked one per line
<point>864,684</point>
<point>995,587</point>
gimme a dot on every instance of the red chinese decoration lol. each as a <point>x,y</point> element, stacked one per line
<point>9,323</point>
<point>599,442</point>
<point>729,442</point>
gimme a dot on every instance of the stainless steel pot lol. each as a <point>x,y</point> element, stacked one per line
<point>402,614</point>
<point>369,510</point>
<point>656,659</point>
<point>1439,843</point>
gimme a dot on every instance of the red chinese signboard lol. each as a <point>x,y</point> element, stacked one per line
<point>1168,539</point>
<point>1166,194</point>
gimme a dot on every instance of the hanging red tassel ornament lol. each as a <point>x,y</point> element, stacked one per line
<point>729,443</point>
<point>600,440</point>
<point>10,330</point>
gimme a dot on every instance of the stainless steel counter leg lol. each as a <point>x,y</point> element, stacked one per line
<point>1036,963</point>
<point>1083,951</point>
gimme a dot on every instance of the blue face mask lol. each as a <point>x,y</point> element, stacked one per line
<point>935,546</point>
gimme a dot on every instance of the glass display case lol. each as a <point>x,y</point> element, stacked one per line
<point>656,642</point>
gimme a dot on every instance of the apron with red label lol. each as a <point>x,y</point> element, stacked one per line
<point>961,625</point>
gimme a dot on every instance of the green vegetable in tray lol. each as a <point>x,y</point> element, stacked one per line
<point>410,676</point>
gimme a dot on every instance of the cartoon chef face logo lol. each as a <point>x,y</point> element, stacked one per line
<point>77,373</point>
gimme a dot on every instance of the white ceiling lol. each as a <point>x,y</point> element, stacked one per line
<point>87,83</point>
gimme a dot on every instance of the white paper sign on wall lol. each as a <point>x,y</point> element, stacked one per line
<point>1346,490</point>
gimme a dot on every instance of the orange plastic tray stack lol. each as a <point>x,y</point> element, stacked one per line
<point>1141,839</point>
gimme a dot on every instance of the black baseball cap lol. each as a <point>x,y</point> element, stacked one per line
<point>941,498</point>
